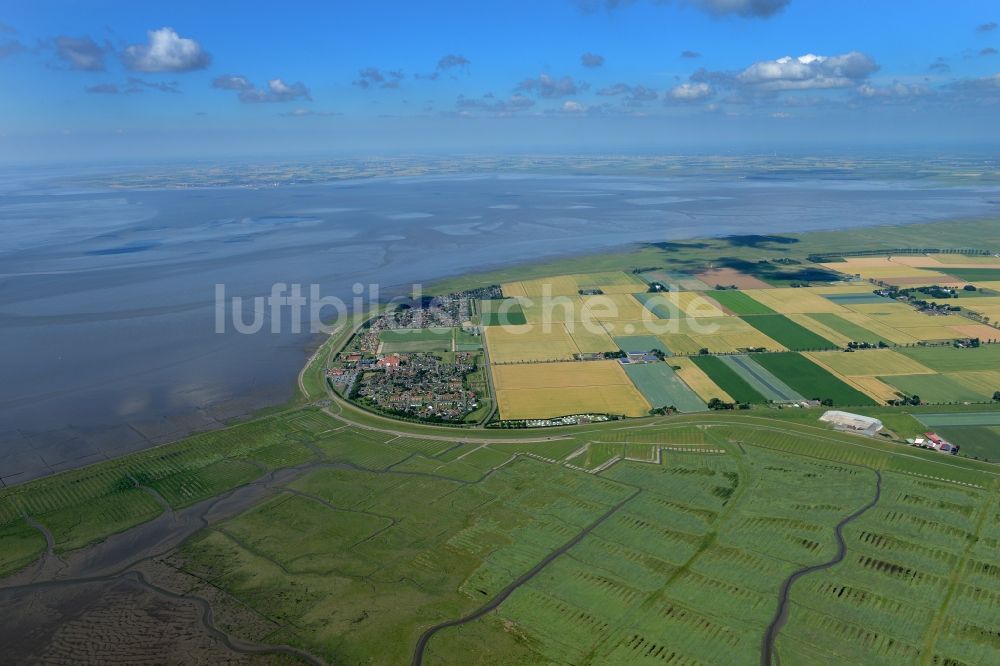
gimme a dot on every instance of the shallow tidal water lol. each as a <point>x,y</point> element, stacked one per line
<point>107,310</point>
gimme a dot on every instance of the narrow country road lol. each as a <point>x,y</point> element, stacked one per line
<point>492,604</point>
<point>781,615</point>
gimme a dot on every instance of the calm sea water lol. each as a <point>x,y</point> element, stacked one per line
<point>107,339</point>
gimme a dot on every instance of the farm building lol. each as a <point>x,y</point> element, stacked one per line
<point>864,425</point>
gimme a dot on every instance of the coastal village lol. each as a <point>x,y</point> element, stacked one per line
<point>419,360</point>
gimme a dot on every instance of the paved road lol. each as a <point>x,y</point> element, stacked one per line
<point>781,615</point>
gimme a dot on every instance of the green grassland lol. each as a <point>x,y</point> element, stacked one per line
<point>810,379</point>
<point>782,329</point>
<point>506,312</point>
<point>739,303</point>
<point>853,331</point>
<point>728,379</point>
<point>953,359</point>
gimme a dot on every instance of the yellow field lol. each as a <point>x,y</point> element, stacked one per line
<point>932,333</point>
<point>529,343</point>
<point>718,334</point>
<point>615,307</point>
<point>974,330</point>
<point>541,390</point>
<point>874,387</point>
<point>984,382</point>
<point>613,282</point>
<point>879,328</point>
<point>869,362</point>
<point>794,300</point>
<point>698,381</point>
<point>889,269</point>
<point>693,304</point>
<point>987,305</point>
<point>592,338</point>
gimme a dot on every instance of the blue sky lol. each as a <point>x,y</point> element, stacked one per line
<point>199,79</point>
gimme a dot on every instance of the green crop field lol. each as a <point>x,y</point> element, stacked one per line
<point>953,359</point>
<point>934,388</point>
<point>506,312</point>
<point>811,380</point>
<point>728,379</point>
<point>973,274</point>
<point>739,303</point>
<point>847,328</point>
<point>975,441</point>
<point>787,332</point>
<point>661,386</point>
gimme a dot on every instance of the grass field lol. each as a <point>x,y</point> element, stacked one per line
<point>952,359</point>
<point>661,387</point>
<point>505,312</point>
<point>975,441</point>
<point>639,343</point>
<point>787,332</point>
<point>728,379</point>
<point>416,340</point>
<point>938,388</point>
<point>739,303</point>
<point>810,379</point>
<point>540,390</point>
<point>763,381</point>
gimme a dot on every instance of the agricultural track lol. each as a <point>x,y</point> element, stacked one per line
<point>781,615</point>
<point>492,604</point>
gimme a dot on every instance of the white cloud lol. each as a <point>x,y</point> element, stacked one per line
<point>276,91</point>
<point>80,53</point>
<point>808,72</point>
<point>691,92</point>
<point>572,106</point>
<point>895,90</point>
<point>231,82</point>
<point>546,86</point>
<point>166,52</point>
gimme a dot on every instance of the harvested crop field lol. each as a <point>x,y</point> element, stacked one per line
<point>540,390</point>
<point>661,387</point>
<point>727,277</point>
<point>794,300</point>
<point>529,342</point>
<point>869,362</point>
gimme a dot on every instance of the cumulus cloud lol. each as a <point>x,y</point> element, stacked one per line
<point>939,65</point>
<point>490,103</point>
<point>548,87</point>
<point>305,113</point>
<point>691,92</point>
<point>103,89</point>
<point>277,90</point>
<point>137,85</point>
<point>11,47</point>
<point>690,55</point>
<point>987,27</point>
<point>896,91</point>
<point>452,60</point>
<point>166,51</point>
<point>744,8</point>
<point>371,77</point>
<point>591,60</point>
<point>720,8</point>
<point>231,82</point>
<point>80,53</point>
<point>808,72</point>
<point>572,106</point>
<point>632,96</point>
